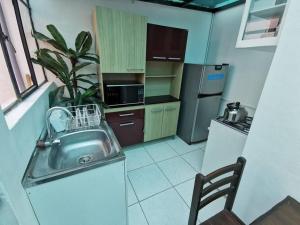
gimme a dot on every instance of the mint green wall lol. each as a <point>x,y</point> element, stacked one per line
<point>73,16</point>
<point>17,145</point>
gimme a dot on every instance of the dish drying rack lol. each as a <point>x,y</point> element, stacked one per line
<point>84,117</point>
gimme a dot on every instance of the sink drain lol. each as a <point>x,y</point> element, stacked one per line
<point>85,159</point>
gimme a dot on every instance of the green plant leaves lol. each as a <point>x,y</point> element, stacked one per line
<point>90,58</point>
<point>56,96</point>
<point>85,80</point>
<point>83,43</point>
<point>55,62</point>
<point>80,66</point>
<point>57,36</point>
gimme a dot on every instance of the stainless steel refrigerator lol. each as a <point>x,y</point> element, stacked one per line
<point>201,92</point>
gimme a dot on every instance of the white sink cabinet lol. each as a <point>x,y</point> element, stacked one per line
<point>93,197</point>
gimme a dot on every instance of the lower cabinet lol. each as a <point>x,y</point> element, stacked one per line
<point>93,197</point>
<point>128,126</point>
<point>161,120</point>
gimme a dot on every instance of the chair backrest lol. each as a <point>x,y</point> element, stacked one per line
<point>230,182</point>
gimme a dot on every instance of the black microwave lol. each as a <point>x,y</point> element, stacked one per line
<point>121,93</point>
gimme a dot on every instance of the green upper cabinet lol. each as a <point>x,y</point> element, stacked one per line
<point>121,41</point>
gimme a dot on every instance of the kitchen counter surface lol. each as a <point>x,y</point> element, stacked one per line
<point>160,99</point>
<point>242,127</point>
<point>148,101</point>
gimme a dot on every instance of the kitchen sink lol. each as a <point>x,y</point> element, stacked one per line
<point>80,148</point>
<point>72,152</point>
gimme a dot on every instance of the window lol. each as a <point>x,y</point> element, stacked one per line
<point>18,76</point>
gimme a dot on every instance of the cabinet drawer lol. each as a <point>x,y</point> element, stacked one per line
<point>128,126</point>
<point>125,116</point>
<point>129,133</point>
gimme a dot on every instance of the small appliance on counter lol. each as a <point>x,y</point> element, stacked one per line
<point>122,93</point>
<point>236,116</point>
<point>235,113</point>
<point>202,88</point>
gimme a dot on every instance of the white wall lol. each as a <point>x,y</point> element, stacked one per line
<point>273,146</point>
<point>248,67</point>
<point>71,17</point>
<point>17,144</point>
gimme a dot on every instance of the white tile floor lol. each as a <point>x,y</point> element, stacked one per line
<point>161,180</point>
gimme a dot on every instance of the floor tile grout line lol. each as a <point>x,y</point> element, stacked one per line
<point>190,165</point>
<point>154,161</point>
<point>182,198</point>
<point>144,213</point>
<point>133,189</point>
<point>172,186</point>
<point>188,145</point>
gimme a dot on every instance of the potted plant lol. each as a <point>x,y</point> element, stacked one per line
<point>66,63</point>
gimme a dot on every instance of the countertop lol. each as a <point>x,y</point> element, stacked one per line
<point>148,101</point>
<point>160,99</point>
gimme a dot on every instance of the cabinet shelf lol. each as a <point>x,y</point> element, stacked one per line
<point>160,76</point>
<point>275,11</point>
<point>261,23</point>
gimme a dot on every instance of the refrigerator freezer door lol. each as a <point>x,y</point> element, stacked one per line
<point>207,109</point>
<point>213,79</point>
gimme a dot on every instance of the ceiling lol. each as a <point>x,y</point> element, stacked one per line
<point>202,5</point>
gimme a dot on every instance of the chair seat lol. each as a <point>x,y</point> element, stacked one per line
<point>223,218</point>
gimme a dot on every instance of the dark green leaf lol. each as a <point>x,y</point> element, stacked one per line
<point>85,80</point>
<point>83,88</point>
<point>57,36</point>
<point>53,52</point>
<point>54,43</point>
<point>56,96</point>
<point>63,63</point>
<point>90,58</point>
<point>87,44</point>
<point>80,66</point>
<point>80,40</point>
<point>85,75</point>
<point>40,36</point>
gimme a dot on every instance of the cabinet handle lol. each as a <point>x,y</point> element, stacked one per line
<point>135,69</point>
<point>156,110</point>
<point>126,124</point>
<point>159,57</point>
<point>127,114</point>
<point>170,109</point>
<point>174,58</point>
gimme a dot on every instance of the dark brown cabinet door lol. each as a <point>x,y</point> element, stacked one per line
<point>166,43</point>
<point>177,39</point>
<point>128,126</point>
<point>156,42</point>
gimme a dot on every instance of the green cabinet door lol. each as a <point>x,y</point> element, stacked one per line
<point>170,119</point>
<point>110,42</point>
<point>121,41</point>
<point>135,39</point>
<point>153,122</point>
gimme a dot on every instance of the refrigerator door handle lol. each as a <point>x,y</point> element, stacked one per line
<point>209,95</point>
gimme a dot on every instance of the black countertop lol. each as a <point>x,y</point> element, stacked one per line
<point>160,99</point>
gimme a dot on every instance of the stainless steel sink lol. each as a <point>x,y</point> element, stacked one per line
<point>73,152</point>
<point>80,148</point>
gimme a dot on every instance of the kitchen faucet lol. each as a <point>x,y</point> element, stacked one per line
<point>48,114</point>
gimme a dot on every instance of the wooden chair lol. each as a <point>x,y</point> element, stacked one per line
<point>232,181</point>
